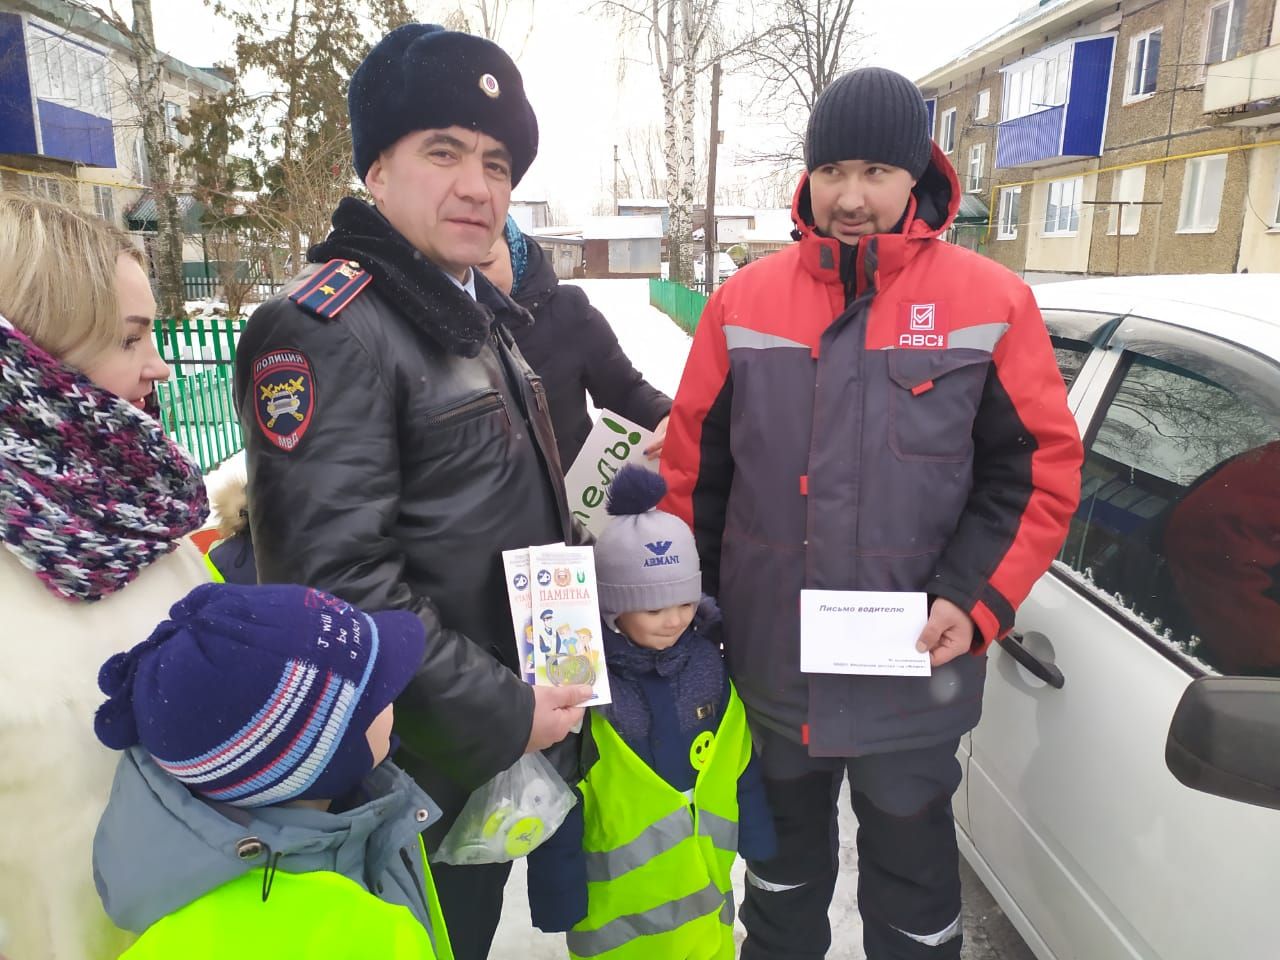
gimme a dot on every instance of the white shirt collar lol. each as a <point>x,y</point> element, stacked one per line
<point>468,285</point>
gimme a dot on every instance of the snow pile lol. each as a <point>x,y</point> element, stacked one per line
<point>656,346</point>
<point>1125,609</point>
<point>212,307</point>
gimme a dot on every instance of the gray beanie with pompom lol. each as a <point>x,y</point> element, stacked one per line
<point>646,559</point>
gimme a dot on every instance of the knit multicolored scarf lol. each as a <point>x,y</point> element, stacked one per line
<point>91,490</point>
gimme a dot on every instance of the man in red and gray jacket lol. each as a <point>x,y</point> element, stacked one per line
<point>869,409</point>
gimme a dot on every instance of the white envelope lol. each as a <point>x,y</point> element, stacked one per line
<point>863,632</point>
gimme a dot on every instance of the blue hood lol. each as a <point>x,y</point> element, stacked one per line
<point>159,847</point>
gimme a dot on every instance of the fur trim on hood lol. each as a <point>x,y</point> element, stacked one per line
<point>228,496</point>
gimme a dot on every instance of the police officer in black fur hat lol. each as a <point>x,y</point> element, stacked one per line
<point>396,440</point>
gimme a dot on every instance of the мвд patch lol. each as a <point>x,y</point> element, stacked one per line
<point>284,396</point>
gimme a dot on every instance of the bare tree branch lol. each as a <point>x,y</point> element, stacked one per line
<point>802,47</point>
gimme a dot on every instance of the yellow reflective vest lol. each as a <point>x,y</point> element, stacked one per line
<point>657,863</point>
<point>306,915</point>
<point>215,575</point>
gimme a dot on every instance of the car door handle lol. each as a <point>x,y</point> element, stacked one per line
<point>1048,672</point>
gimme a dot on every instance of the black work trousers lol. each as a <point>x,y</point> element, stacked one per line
<point>471,899</point>
<point>908,862</point>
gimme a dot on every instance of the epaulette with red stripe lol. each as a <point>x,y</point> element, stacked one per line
<point>331,288</point>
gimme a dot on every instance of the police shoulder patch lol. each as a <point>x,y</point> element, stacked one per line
<point>284,396</point>
<point>328,291</point>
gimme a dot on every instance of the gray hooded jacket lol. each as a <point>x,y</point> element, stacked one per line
<point>159,847</point>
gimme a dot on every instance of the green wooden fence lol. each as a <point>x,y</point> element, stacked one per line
<point>197,406</point>
<point>681,304</point>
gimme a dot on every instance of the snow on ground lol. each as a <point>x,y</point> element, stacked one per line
<point>656,346</point>
<point>517,938</point>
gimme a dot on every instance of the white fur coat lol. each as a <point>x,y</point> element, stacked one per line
<point>54,774</point>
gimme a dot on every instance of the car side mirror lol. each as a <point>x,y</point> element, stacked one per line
<point>1225,739</point>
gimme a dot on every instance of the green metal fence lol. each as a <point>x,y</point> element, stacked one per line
<point>197,406</point>
<point>681,304</point>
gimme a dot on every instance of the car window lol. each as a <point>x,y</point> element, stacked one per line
<point>1179,516</point>
<point>1071,355</point>
<point>1073,334</point>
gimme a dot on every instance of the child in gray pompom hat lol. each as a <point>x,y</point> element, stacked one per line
<point>674,709</point>
<point>646,563</point>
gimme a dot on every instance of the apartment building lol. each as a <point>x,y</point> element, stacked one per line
<point>69,126</point>
<point>1107,137</point>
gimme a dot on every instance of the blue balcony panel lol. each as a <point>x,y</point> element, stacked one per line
<point>75,135</point>
<point>1087,101</point>
<point>1026,140</point>
<point>17,125</point>
<point>1070,132</point>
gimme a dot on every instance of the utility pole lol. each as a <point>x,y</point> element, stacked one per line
<point>615,180</point>
<point>710,266</point>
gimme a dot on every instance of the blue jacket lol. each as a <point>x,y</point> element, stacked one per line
<point>159,847</point>
<point>662,700</point>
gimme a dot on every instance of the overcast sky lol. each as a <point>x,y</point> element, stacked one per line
<point>589,85</point>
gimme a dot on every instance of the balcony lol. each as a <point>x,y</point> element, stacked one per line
<point>1031,139</point>
<point>1245,86</point>
<point>60,107</point>
<point>1072,130</point>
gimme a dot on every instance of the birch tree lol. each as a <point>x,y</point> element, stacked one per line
<point>680,35</point>
<point>150,100</point>
<point>146,93</point>
<point>491,19</point>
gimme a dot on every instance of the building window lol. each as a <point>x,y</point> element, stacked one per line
<point>1226,24</point>
<point>47,188</point>
<point>104,203</point>
<point>1202,194</point>
<point>172,114</point>
<point>1037,83</point>
<point>1010,200</point>
<point>1144,63</point>
<point>977,160</point>
<point>947,140</point>
<point>1128,185</point>
<point>68,72</point>
<point>984,105</point>
<point>1062,212</point>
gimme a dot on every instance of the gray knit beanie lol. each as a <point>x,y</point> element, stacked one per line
<point>646,559</point>
<point>869,114</point>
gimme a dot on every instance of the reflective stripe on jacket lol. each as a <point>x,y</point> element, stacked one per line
<point>657,864</point>
<point>305,915</point>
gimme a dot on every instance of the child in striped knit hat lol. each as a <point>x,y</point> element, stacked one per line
<point>254,812</point>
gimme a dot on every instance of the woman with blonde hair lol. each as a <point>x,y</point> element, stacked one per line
<point>95,504</point>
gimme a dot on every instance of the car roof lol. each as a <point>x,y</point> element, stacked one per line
<point>1242,307</point>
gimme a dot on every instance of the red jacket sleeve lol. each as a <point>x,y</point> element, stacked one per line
<point>1026,480</point>
<point>696,459</point>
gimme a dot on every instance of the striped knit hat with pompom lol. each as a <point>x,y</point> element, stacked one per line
<point>260,695</point>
